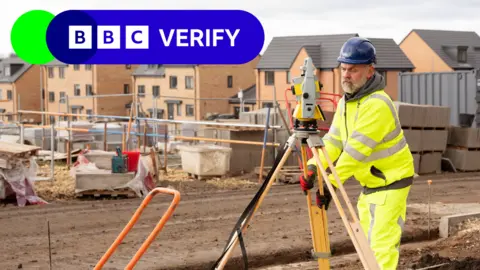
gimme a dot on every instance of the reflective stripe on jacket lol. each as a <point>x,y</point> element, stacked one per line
<point>367,141</point>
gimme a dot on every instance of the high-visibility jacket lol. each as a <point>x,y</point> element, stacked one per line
<point>367,141</point>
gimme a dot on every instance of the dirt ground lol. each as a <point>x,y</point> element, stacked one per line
<point>81,231</point>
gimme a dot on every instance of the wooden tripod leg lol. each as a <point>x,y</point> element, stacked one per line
<point>318,222</point>
<point>235,239</point>
<point>353,228</point>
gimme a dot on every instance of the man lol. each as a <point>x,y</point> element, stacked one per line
<point>367,143</point>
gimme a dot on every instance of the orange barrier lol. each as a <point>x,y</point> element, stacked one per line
<point>134,219</point>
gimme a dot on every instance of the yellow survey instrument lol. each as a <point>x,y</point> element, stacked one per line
<point>307,113</point>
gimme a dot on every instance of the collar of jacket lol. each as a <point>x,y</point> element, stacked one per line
<point>375,83</point>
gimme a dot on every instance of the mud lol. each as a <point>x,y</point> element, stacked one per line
<point>81,231</point>
<point>444,263</point>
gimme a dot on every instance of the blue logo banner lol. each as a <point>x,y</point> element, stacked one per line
<point>155,37</point>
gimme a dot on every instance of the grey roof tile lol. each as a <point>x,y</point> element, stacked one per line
<point>249,95</point>
<point>16,72</point>
<point>158,70</point>
<point>324,49</point>
<point>442,40</point>
<point>390,55</point>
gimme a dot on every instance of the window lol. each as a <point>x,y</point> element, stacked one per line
<point>188,82</point>
<point>462,55</point>
<point>173,82</point>
<point>155,90</point>
<point>88,67</point>
<point>61,72</point>
<point>9,95</point>
<point>76,89</point>
<point>7,71</point>
<point>141,90</point>
<point>179,109</point>
<point>1,94</point>
<point>269,77</point>
<point>50,72</point>
<point>128,66</point>
<point>89,112</point>
<point>289,76</point>
<point>62,97</point>
<point>126,88</point>
<point>51,96</point>
<point>189,110</point>
<point>76,67</point>
<point>151,66</point>
<point>74,111</point>
<point>267,105</point>
<point>89,90</point>
<point>230,81</point>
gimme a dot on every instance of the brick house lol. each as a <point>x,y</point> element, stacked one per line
<point>283,57</point>
<point>190,92</point>
<point>82,82</point>
<point>442,50</point>
<point>19,80</point>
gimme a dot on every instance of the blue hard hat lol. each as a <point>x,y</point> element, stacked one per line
<point>357,50</point>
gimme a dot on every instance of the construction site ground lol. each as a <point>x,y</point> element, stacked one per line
<point>278,236</point>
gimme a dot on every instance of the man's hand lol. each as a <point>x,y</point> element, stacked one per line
<point>307,183</point>
<point>325,199</point>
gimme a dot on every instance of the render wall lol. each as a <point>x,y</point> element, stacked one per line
<point>213,83</point>
<point>110,79</point>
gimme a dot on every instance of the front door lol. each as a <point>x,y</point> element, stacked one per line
<point>170,111</point>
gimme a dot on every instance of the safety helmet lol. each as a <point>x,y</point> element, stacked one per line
<point>357,50</point>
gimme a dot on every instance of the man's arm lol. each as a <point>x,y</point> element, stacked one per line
<point>374,122</point>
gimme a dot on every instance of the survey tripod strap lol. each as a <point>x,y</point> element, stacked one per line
<point>353,227</point>
<point>242,223</point>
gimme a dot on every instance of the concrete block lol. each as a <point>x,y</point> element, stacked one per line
<point>414,139</point>
<point>102,159</point>
<point>410,115</point>
<point>436,116</point>
<point>434,140</point>
<point>430,163</point>
<point>449,224</point>
<point>416,162</point>
<point>101,180</point>
<point>464,137</point>
<point>463,159</point>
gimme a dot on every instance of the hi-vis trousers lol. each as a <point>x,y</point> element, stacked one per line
<point>382,217</point>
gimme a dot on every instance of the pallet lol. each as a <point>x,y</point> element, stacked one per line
<point>287,175</point>
<point>106,194</point>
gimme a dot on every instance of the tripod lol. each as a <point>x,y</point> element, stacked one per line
<point>306,130</point>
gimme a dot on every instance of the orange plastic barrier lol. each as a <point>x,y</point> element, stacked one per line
<point>134,219</point>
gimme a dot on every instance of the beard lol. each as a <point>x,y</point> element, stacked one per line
<point>350,87</point>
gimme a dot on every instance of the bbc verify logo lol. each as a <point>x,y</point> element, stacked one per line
<point>136,37</point>
<point>155,37</point>
<point>108,37</point>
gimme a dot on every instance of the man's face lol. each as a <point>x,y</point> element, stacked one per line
<point>355,76</point>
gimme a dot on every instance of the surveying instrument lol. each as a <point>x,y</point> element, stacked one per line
<point>307,89</point>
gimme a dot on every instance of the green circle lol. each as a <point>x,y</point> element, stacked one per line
<point>29,37</point>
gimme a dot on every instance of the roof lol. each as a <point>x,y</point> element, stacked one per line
<point>56,63</point>
<point>441,41</point>
<point>249,95</point>
<point>158,70</point>
<point>324,49</point>
<point>15,73</point>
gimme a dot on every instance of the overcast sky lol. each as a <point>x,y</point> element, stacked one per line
<point>369,18</point>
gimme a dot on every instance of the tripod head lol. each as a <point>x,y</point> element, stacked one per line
<point>307,89</point>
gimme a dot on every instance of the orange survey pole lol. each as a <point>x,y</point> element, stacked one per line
<point>134,219</point>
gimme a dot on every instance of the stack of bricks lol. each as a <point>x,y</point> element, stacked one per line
<point>464,148</point>
<point>426,130</point>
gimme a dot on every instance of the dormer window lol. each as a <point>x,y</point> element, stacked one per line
<point>7,71</point>
<point>462,54</point>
